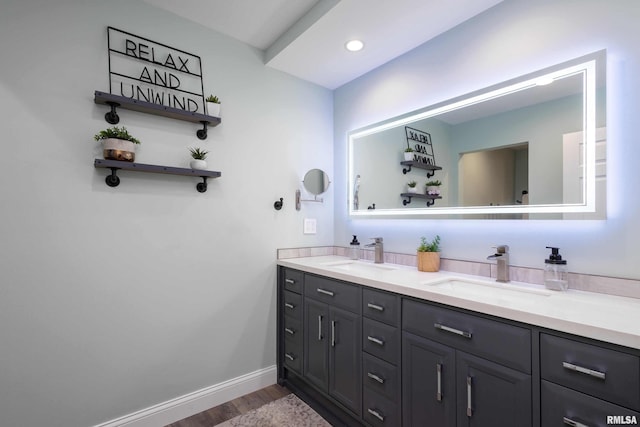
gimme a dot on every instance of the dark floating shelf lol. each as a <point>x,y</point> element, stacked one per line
<point>115,101</point>
<point>113,180</point>
<point>431,170</point>
<point>430,199</point>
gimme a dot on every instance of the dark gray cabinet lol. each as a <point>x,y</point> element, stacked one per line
<point>332,348</point>
<point>443,381</point>
<point>587,384</point>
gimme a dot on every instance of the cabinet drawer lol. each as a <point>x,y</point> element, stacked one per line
<point>381,306</point>
<point>506,344</point>
<point>377,410</point>
<point>600,372</point>
<point>561,406</point>
<point>293,280</point>
<point>293,355</point>
<point>339,294</point>
<point>381,377</point>
<point>293,305</point>
<point>381,340</point>
<point>293,329</point>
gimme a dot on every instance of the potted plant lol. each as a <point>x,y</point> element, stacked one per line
<point>117,144</point>
<point>408,154</point>
<point>213,106</point>
<point>412,187</point>
<point>433,188</point>
<point>429,255</point>
<point>199,158</point>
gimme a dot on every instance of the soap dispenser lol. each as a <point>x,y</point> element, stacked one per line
<point>354,250</point>
<point>555,271</point>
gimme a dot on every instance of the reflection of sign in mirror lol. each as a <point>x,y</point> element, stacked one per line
<point>153,72</point>
<point>421,143</point>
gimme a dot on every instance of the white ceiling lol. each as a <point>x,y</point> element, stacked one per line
<point>306,38</point>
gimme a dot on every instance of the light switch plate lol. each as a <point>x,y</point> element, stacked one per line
<point>309,226</point>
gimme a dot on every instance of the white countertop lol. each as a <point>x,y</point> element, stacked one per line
<point>603,317</point>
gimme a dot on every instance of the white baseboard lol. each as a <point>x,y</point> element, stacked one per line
<point>192,403</point>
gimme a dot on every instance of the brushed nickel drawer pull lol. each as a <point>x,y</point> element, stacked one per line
<point>320,328</point>
<point>290,281</point>
<point>333,333</point>
<point>325,292</point>
<point>290,331</point>
<point>469,410</point>
<point>375,377</point>
<point>452,330</point>
<point>439,375</point>
<point>375,306</point>
<point>586,371</point>
<point>570,422</point>
<point>290,357</point>
<point>376,414</point>
<point>375,340</point>
<point>289,306</point>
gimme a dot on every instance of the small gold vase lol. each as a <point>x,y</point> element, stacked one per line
<point>429,261</point>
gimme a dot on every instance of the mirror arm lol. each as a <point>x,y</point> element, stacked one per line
<point>299,200</point>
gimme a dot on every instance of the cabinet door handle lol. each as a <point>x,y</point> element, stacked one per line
<point>290,357</point>
<point>376,414</point>
<point>586,371</point>
<point>570,422</point>
<point>375,306</point>
<point>290,281</point>
<point>290,331</point>
<point>452,330</point>
<point>439,380</point>
<point>325,292</point>
<point>320,328</point>
<point>469,410</point>
<point>333,333</point>
<point>290,306</point>
<point>375,377</point>
<point>375,340</point>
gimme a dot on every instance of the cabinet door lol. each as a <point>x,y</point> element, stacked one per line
<point>316,366</point>
<point>428,383</point>
<point>491,395</point>
<point>345,382</point>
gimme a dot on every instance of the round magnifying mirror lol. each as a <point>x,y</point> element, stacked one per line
<point>316,181</point>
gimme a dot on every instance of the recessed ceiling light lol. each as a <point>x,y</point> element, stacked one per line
<point>354,45</point>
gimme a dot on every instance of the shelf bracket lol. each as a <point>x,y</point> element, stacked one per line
<point>112,180</point>
<point>406,201</point>
<point>430,202</point>
<point>112,116</point>
<point>202,186</point>
<point>202,133</point>
<point>430,173</point>
<point>407,170</point>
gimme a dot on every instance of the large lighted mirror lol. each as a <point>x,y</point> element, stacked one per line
<point>529,148</point>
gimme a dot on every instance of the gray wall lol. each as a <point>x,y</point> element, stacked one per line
<point>511,39</point>
<point>113,300</point>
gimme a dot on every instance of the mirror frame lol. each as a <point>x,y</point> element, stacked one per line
<point>587,65</point>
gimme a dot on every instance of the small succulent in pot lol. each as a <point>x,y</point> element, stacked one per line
<point>213,105</point>
<point>433,246</point>
<point>117,143</point>
<point>429,255</point>
<point>412,187</point>
<point>408,154</point>
<point>199,155</point>
<point>433,188</point>
<point>214,99</point>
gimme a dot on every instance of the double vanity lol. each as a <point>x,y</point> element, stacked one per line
<point>386,345</point>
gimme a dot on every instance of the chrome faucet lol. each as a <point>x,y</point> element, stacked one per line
<point>502,260</point>
<point>377,244</point>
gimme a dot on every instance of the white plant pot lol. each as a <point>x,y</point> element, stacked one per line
<point>408,156</point>
<point>413,190</point>
<point>118,149</point>
<point>213,109</point>
<point>433,190</point>
<point>198,164</point>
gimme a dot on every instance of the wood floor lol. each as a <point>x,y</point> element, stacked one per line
<point>232,409</point>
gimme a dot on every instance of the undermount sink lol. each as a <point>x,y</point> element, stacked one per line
<point>359,266</point>
<point>480,288</point>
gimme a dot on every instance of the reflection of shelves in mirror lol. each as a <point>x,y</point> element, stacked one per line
<point>115,101</point>
<point>430,199</point>
<point>113,180</point>
<point>431,169</point>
